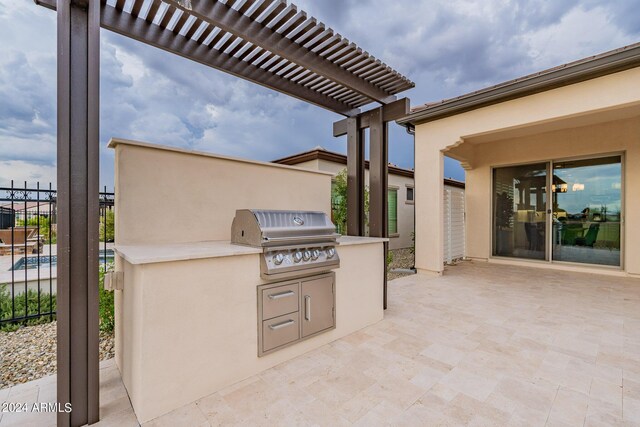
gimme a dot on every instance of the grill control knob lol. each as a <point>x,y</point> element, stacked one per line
<point>315,254</point>
<point>306,255</point>
<point>278,258</point>
<point>331,252</point>
<point>297,256</point>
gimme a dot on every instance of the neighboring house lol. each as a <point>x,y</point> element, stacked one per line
<point>29,209</point>
<point>552,162</point>
<point>7,217</point>
<point>401,191</point>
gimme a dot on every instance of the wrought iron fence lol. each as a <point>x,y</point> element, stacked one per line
<point>28,255</point>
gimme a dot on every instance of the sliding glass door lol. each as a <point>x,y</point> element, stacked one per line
<point>587,206</point>
<point>585,203</point>
<point>520,205</point>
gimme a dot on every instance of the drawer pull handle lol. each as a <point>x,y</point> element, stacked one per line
<point>282,295</point>
<point>307,308</point>
<point>281,325</point>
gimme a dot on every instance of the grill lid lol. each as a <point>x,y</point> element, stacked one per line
<point>257,227</point>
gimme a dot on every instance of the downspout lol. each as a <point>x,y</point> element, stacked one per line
<point>411,130</point>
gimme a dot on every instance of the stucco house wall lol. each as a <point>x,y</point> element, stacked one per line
<point>596,116</point>
<point>397,181</point>
<point>622,136</point>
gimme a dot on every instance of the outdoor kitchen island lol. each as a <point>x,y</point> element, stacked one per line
<point>186,317</point>
<point>187,304</point>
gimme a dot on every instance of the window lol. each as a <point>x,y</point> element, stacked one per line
<point>392,203</point>
<point>409,194</point>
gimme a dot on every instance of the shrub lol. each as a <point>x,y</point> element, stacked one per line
<point>339,201</point>
<point>105,309</point>
<point>31,304</point>
<point>107,316</point>
<point>107,220</point>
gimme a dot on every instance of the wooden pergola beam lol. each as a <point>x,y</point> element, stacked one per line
<point>232,21</point>
<point>260,33</point>
<point>146,32</point>
<point>390,112</point>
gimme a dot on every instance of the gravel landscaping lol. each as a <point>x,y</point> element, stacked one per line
<point>30,353</point>
<point>402,258</point>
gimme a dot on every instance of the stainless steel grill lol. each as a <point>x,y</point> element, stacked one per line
<point>295,243</point>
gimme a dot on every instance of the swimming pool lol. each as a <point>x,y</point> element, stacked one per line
<point>31,262</point>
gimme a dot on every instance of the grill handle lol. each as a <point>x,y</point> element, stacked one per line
<point>307,308</point>
<point>282,295</point>
<point>281,325</point>
<point>329,238</point>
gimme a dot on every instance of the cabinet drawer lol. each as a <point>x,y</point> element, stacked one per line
<point>279,300</point>
<point>280,331</point>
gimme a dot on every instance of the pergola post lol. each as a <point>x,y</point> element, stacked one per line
<point>378,169</point>
<point>377,120</point>
<point>78,204</point>
<point>355,178</point>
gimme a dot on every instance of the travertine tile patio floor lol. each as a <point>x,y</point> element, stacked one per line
<point>482,345</point>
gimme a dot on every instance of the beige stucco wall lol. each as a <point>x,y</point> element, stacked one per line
<point>592,117</point>
<point>405,210</point>
<point>310,164</point>
<point>177,196</point>
<point>187,329</point>
<point>612,137</point>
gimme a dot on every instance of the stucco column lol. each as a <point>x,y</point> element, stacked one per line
<point>429,174</point>
<point>631,205</point>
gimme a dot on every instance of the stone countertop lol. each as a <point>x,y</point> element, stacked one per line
<point>167,252</point>
<point>355,240</point>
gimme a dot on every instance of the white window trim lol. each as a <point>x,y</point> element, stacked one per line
<point>407,201</point>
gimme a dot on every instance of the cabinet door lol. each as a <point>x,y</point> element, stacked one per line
<point>317,305</point>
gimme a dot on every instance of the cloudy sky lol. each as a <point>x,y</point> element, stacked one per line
<point>448,47</point>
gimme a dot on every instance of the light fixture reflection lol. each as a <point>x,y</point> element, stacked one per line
<point>561,188</point>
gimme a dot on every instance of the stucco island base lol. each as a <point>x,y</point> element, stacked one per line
<point>187,327</point>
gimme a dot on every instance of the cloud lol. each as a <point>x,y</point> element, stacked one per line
<point>21,170</point>
<point>448,47</point>
<point>556,44</point>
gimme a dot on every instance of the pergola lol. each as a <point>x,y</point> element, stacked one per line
<point>268,42</point>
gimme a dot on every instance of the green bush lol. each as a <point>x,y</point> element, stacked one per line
<point>31,304</point>
<point>107,220</point>
<point>339,201</point>
<point>107,316</point>
<point>105,309</point>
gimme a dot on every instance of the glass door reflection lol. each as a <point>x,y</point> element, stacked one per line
<point>587,206</point>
